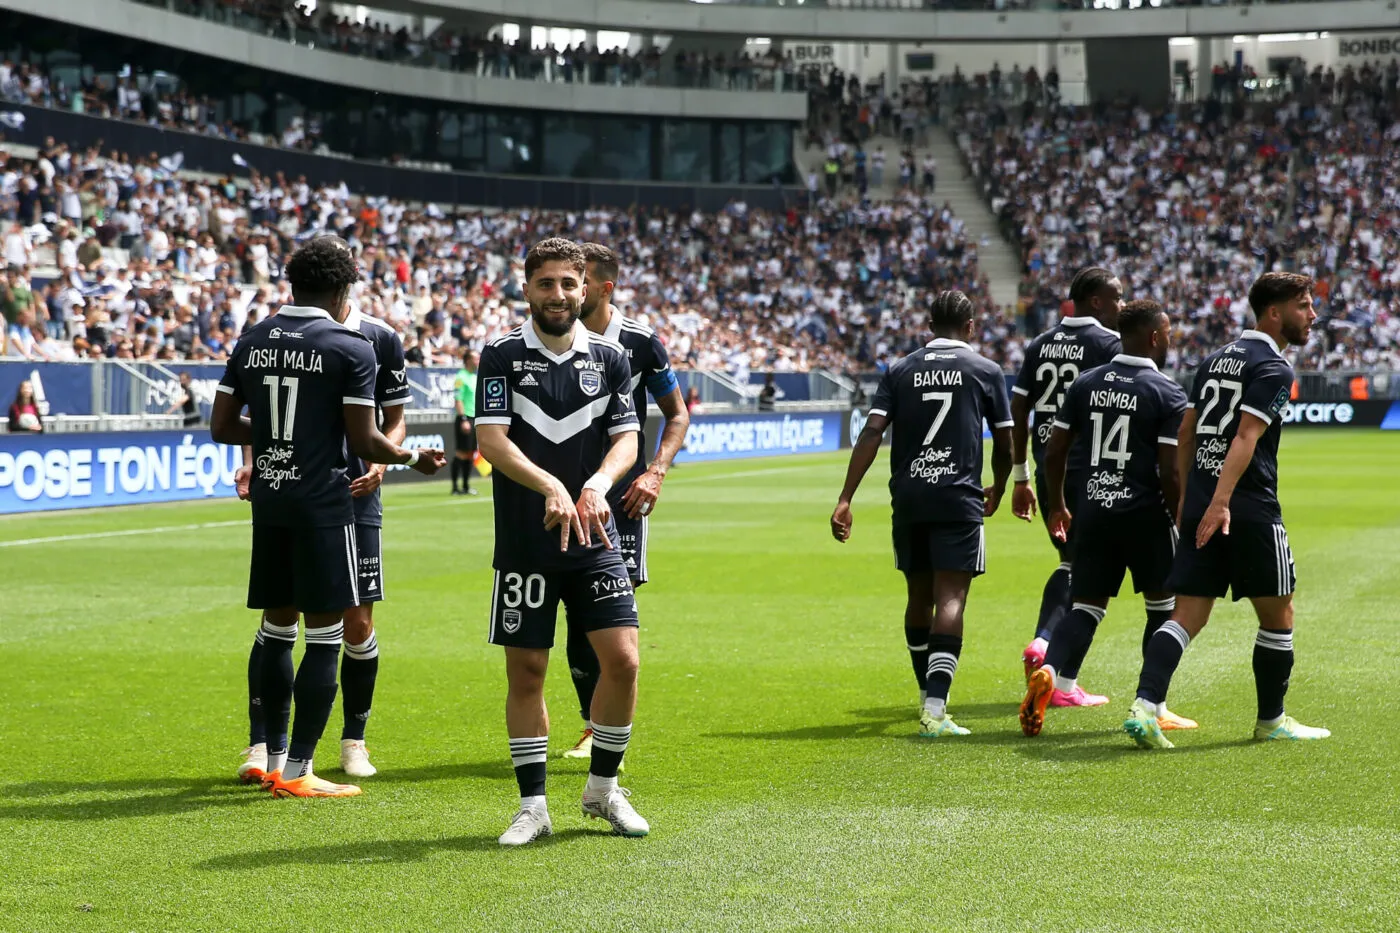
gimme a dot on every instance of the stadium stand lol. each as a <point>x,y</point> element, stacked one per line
<point>1189,206</point>
<point>144,263</point>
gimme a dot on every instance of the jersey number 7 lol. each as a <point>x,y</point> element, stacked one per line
<point>945,402</point>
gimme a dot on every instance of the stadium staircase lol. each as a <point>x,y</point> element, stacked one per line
<point>997,258</point>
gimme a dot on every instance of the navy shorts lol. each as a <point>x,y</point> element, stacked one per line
<point>1073,483</point>
<point>370,580</point>
<point>933,546</point>
<point>308,569</point>
<point>1252,561</point>
<point>1107,547</point>
<point>632,544</point>
<point>525,603</point>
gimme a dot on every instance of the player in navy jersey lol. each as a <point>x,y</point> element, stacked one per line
<point>1232,534</point>
<point>1078,343</point>
<point>309,384</point>
<point>937,399</point>
<point>1125,415</point>
<point>360,664</point>
<point>555,418</point>
<point>634,497</point>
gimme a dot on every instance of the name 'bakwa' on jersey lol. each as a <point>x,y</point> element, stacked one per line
<point>936,450</point>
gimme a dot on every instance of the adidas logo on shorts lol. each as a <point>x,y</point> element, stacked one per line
<point>529,380</point>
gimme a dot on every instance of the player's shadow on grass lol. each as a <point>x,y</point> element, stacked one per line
<point>388,850</point>
<point>166,796</point>
<point>876,723</point>
<point>1077,747</point>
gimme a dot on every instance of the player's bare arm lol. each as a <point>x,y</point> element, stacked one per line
<point>1022,495</point>
<point>395,430</point>
<point>559,509</point>
<point>243,476</point>
<point>641,496</point>
<point>1217,517</point>
<point>367,443</point>
<point>592,505</point>
<point>1185,453</point>
<point>1168,473</point>
<point>1056,462</point>
<point>863,454</point>
<point>227,424</point>
<point>1001,470</point>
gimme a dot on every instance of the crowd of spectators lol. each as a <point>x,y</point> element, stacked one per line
<point>490,55</point>
<point>1189,205</point>
<point>149,264</point>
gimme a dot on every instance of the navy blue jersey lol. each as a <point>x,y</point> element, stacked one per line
<point>937,399</point>
<point>1053,361</point>
<point>295,371</point>
<point>1120,414</point>
<point>651,372</point>
<point>562,412</point>
<point>1248,375</point>
<point>390,388</point>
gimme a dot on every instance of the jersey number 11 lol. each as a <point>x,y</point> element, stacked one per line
<point>285,424</point>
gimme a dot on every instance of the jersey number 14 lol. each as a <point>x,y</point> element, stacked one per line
<point>1112,446</point>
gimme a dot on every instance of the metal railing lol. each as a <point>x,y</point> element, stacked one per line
<point>488,59</point>
<point>111,395</point>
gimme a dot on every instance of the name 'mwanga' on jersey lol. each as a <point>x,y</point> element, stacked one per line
<point>1120,413</point>
<point>562,411</point>
<point>651,372</point>
<point>1053,361</point>
<point>1250,375</point>
<point>295,371</point>
<point>937,400</point>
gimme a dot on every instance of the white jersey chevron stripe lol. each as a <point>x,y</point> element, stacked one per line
<point>559,430</point>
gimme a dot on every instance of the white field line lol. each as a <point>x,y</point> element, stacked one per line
<point>201,526</point>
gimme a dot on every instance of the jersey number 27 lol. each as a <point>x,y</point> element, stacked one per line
<point>1211,394</point>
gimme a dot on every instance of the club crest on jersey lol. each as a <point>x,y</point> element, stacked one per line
<point>510,621</point>
<point>494,394</point>
<point>590,382</point>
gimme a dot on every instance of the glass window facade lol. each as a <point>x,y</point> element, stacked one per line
<point>371,125</point>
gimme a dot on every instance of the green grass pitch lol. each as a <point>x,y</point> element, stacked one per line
<point>775,750</point>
